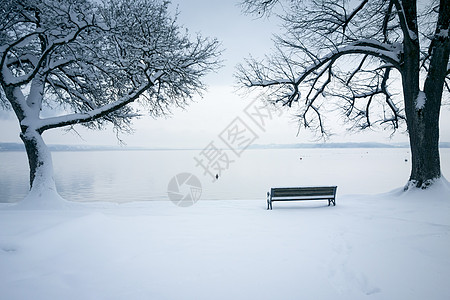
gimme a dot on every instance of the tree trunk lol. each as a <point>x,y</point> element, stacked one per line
<point>422,117</point>
<point>423,129</point>
<point>423,108</point>
<point>422,114</point>
<point>40,162</point>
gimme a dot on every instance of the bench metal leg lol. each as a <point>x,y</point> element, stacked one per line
<point>269,202</point>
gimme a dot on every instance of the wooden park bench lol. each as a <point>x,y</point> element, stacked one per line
<point>302,193</point>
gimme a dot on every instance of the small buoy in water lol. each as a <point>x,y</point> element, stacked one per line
<point>406,159</point>
<point>301,158</point>
<point>217,176</point>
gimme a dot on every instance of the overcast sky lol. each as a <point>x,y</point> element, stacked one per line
<point>204,120</point>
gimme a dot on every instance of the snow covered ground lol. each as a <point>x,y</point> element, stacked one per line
<point>387,246</point>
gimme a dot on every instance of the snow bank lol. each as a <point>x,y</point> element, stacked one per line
<point>41,199</point>
<point>390,246</point>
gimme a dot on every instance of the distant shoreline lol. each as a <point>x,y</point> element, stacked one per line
<point>8,147</point>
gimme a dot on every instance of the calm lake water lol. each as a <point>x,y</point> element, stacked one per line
<point>122,176</point>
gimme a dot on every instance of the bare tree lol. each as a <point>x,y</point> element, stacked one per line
<point>90,62</point>
<point>352,52</point>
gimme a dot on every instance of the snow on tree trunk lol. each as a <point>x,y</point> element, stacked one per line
<point>43,193</point>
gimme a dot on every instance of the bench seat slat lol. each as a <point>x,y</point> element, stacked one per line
<point>302,193</point>
<point>287,198</point>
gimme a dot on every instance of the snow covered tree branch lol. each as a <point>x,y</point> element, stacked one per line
<point>349,55</point>
<point>91,61</point>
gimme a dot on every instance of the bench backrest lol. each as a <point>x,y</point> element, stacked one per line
<point>303,191</point>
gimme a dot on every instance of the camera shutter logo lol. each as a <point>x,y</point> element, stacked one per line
<point>184,189</point>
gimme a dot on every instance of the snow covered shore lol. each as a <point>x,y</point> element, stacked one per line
<point>387,246</point>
